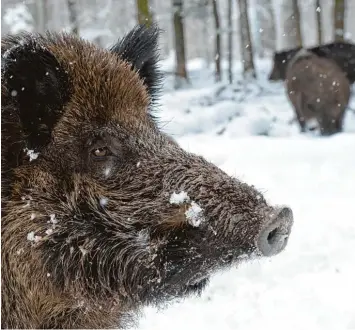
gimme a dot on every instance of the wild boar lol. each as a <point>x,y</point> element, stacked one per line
<point>342,52</point>
<point>318,90</point>
<point>103,213</point>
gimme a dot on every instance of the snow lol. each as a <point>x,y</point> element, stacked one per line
<point>107,171</point>
<point>103,201</point>
<point>33,155</point>
<point>194,212</point>
<point>179,198</point>
<point>194,215</point>
<point>52,219</point>
<point>250,133</point>
<point>32,237</point>
<point>49,231</point>
<point>18,19</point>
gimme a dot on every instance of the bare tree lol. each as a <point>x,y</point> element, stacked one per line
<point>206,35</point>
<point>73,16</point>
<point>266,32</point>
<point>42,10</point>
<point>217,55</point>
<point>245,40</point>
<point>319,22</point>
<point>144,14</point>
<point>339,11</point>
<point>291,25</point>
<point>297,22</point>
<point>96,19</point>
<point>230,41</point>
<point>181,72</point>
<point>39,10</point>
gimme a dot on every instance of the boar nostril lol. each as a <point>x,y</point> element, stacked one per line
<point>274,235</point>
<point>271,236</point>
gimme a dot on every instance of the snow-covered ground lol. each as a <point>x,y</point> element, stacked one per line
<point>311,285</point>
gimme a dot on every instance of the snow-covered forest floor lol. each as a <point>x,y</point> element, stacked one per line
<point>246,131</point>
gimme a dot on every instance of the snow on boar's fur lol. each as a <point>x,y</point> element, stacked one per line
<point>102,213</point>
<point>319,92</point>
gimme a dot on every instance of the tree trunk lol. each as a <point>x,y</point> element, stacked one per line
<point>207,51</point>
<point>267,27</point>
<point>143,12</point>
<point>292,36</point>
<point>73,16</point>
<point>319,22</point>
<point>217,55</point>
<point>97,21</point>
<point>245,41</point>
<point>230,41</point>
<point>297,22</point>
<point>41,15</point>
<point>181,73</point>
<point>339,11</point>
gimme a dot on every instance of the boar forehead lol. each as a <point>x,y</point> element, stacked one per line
<point>104,88</point>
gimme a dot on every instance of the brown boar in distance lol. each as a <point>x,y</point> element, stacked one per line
<point>341,52</point>
<point>319,92</point>
<point>111,214</point>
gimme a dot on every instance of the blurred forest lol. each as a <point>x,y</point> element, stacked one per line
<point>214,30</point>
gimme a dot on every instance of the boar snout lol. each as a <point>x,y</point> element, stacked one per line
<point>274,234</point>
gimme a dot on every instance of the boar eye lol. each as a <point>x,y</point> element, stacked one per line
<point>101,152</point>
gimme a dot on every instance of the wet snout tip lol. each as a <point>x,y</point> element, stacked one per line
<point>274,235</point>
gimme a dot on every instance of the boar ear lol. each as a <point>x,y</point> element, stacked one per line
<point>140,48</point>
<point>36,85</point>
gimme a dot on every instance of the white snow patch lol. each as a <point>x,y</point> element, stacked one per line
<point>107,171</point>
<point>33,155</point>
<point>179,198</point>
<point>18,18</point>
<point>49,231</point>
<point>32,237</point>
<point>32,216</point>
<point>103,201</point>
<point>143,237</point>
<point>312,123</point>
<point>52,219</point>
<point>194,215</point>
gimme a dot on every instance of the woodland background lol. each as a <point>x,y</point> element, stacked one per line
<point>214,30</point>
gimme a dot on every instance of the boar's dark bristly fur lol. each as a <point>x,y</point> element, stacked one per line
<point>90,234</point>
<point>318,90</point>
<point>142,53</point>
<point>341,52</point>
